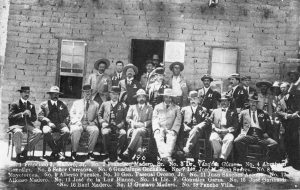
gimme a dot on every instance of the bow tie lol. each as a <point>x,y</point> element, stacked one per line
<point>223,109</point>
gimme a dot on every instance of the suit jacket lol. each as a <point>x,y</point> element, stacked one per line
<point>105,110</point>
<point>210,99</point>
<point>265,100</point>
<point>115,80</point>
<point>251,90</point>
<point>240,97</point>
<point>46,107</point>
<point>15,116</point>
<point>187,113</point>
<point>166,118</point>
<point>130,89</point>
<point>77,112</point>
<point>137,115</point>
<point>231,117</point>
<point>100,84</point>
<point>263,120</point>
<point>184,88</point>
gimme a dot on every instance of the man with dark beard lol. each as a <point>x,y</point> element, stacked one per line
<point>195,125</point>
<point>139,118</point>
<point>54,117</point>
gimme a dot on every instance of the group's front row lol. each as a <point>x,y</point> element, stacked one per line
<point>167,123</point>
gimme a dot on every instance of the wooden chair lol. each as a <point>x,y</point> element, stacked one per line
<point>11,142</point>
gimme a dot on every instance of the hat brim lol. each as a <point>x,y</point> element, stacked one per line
<point>135,96</point>
<point>106,61</point>
<point>130,66</point>
<point>293,72</point>
<point>49,92</point>
<point>23,90</point>
<point>177,63</point>
<point>259,84</point>
<point>203,78</point>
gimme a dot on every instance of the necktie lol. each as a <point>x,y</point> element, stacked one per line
<point>253,116</point>
<point>223,109</point>
<point>168,106</point>
<point>87,106</point>
<point>25,105</point>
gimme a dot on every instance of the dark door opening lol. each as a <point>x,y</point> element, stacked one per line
<point>141,50</point>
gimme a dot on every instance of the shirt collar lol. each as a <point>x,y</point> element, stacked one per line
<point>206,89</point>
<point>141,106</point>
<point>233,88</point>
<point>113,103</point>
<point>53,102</point>
<point>225,109</point>
<point>23,101</point>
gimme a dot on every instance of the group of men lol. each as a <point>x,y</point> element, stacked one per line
<point>119,107</point>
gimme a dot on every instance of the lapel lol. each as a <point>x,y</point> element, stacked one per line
<point>228,117</point>
<point>21,105</point>
<point>208,93</point>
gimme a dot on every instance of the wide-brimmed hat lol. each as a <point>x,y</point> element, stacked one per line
<point>105,61</point>
<point>246,77</point>
<point>54,89</point>
<point>207,76</point>
<point>115,89</point>
<point>140,92</point>
<point>254,97</point>
<point>177,63</point>
<point>234,75</point>
<point>261,83</point>
<point>168,92</point>
<point>24,88</point>
<point>130,65</point>
<point>193,94</point>
<point>86,87</point>
<point>293,72</point>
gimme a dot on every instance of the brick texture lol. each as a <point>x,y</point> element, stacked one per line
<point>265,31</point>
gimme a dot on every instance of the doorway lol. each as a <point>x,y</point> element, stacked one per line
<point>141,50</point>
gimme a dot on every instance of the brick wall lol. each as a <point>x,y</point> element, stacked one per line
<point>265,31</point>
<point>4,8</point>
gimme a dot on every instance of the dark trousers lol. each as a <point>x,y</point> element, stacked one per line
<point>108,146</point>
<point>64,133</point>
<point>291,141</point>
<point>241,143</point>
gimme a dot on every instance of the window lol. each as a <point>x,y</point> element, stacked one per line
<point>223,62</point>
<point>72,68</point>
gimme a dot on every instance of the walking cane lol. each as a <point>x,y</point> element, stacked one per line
<point>27,131</point>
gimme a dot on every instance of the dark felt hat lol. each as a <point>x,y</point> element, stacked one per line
<point>86,87</point>
<point>115,89</point>
<point>207,76</point>
<point>177,63</point>
<point>24,88</point>
<point>105,61</point>
<point>267,83</point>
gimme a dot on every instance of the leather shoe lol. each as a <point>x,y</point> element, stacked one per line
<point>73,156</point>
<point>24,154</point>
<point>91,156</point>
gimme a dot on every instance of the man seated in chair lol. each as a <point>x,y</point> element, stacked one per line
<point>224,123</point>
<point>84,117</point>
<point>166,123</point>
<point>194,124</point>
<point>21,115</point>
<point>139,118</point>
<point>54,117</point>
<point>255,124</point>
<point>112,116</point>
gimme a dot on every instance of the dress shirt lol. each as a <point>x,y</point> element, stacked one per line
<point>223,117</point>
<point>254,124</point>
<point>176,86</point>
